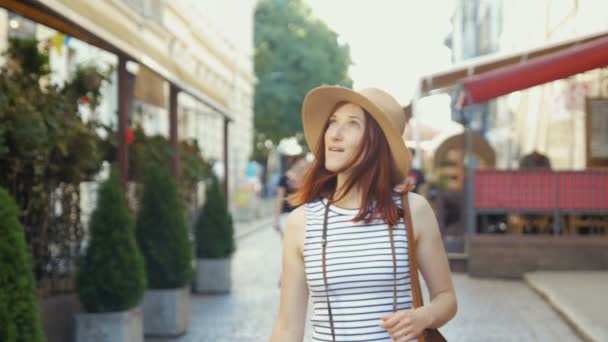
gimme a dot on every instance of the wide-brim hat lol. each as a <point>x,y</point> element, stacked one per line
<point>320,103</point>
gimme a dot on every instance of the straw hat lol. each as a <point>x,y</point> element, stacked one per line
<point>321,101</point>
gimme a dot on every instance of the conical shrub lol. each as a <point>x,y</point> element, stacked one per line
<point>19,315</point>
<point>111,276</point>
<point>162,232</point>
<point>213,229</point>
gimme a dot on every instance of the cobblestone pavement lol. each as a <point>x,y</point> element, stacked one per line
<point>489,310</point>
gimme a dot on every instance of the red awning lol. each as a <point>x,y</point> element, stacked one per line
<point>447,79</point>
<point>541,70</point>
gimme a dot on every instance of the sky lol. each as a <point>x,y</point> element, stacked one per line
<point>393,43</point>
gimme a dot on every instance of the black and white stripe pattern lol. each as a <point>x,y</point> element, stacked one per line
<point>359,273</point>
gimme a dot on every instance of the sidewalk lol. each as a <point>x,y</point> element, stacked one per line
<point>489,310</point>
<point>262,217</point>
<point>579,296</point>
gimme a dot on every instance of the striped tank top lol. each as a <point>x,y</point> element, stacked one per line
<point>360,276</point>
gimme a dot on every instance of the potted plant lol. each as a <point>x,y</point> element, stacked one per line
<point>163,238</point>
<point>19,315</point>
<point>214,243</point>
<point>111,278</point>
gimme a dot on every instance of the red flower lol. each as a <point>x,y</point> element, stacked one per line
<point>84,99</point>
<point>130,136</point>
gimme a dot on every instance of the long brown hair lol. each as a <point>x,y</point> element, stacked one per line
<point>372,172</point>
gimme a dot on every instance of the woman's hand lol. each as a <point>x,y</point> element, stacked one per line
<point>406,325</point>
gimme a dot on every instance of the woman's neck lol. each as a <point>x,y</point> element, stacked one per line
<point>350,200</point>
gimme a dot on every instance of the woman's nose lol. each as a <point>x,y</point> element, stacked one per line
<point>336,133</point>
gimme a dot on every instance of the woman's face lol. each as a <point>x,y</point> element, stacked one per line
<point>343,135</point>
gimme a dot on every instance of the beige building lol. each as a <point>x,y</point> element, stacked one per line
<point>550,118</point>
<point>205,46</point>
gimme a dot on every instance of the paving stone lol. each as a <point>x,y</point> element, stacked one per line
<point>489,310</point>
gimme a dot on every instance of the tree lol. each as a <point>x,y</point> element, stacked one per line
<point>19,317</point>
<point>214,229</point>
<point>294,52</point>
<point>162,233</point>
<point>112,273</point>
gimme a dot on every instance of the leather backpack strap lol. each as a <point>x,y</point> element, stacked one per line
<point>412,257</point>
<point>392,240</point>
<point>411,251</point>
<point>324,266</point>
<point>428,335</point>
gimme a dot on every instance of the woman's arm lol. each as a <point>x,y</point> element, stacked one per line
<point>289,326</point>
<point>433,263</point>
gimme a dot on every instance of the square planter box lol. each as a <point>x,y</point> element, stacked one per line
<point>110,327</point>
<point>166,312</point>
<point>212,276</point>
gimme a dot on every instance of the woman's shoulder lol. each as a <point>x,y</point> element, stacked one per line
<point>418,203</point>
<point>295,227</point>
<point>308,209</point>
<point>298,215</point>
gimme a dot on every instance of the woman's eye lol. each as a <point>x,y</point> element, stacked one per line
<point>354,123</point>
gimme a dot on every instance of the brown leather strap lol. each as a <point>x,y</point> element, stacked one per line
<point>413,263</point>
<point>324,244</point>
<point>412,256</point>
<point>391,237</point>
<point>411,251</point>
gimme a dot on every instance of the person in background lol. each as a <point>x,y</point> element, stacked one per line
<point>415,176</point>
<point>288,184</point>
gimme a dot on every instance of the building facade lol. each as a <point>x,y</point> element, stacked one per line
<point>207,44</point>
<point>550,118</point>
<point>476,31</point>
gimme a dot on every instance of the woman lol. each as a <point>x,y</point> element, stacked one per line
<point>288,185</point>
<point>349,196</point>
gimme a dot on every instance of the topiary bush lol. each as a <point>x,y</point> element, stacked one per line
<point>19,315</point>
<point>213,228</point>
<point>162,232</point>
<point>112,273</point>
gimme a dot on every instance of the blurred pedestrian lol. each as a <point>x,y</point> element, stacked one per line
<point>288,184</point>
<point>346,244</point>
<point>415,176</point>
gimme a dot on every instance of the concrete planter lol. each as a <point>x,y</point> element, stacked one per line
<point>110,327</point>
<point>212,276</point>
<point>166,312</point>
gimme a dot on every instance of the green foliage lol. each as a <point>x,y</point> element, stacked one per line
<point>147,150</point>
<point>294,52</point>
<point>87,81</point>
<point>41,129</point>
<point>157,150</point>
<point>162,233</point>
<point>193,168</point>
<point>112,273</point>
<point>213,229</point>
<point>19,316</point>
<point>45,145</point>
<point>24,56</point>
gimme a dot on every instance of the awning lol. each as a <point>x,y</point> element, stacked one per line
<point>77,19</point>
<point>447,79</point>
<point>555,66</point>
